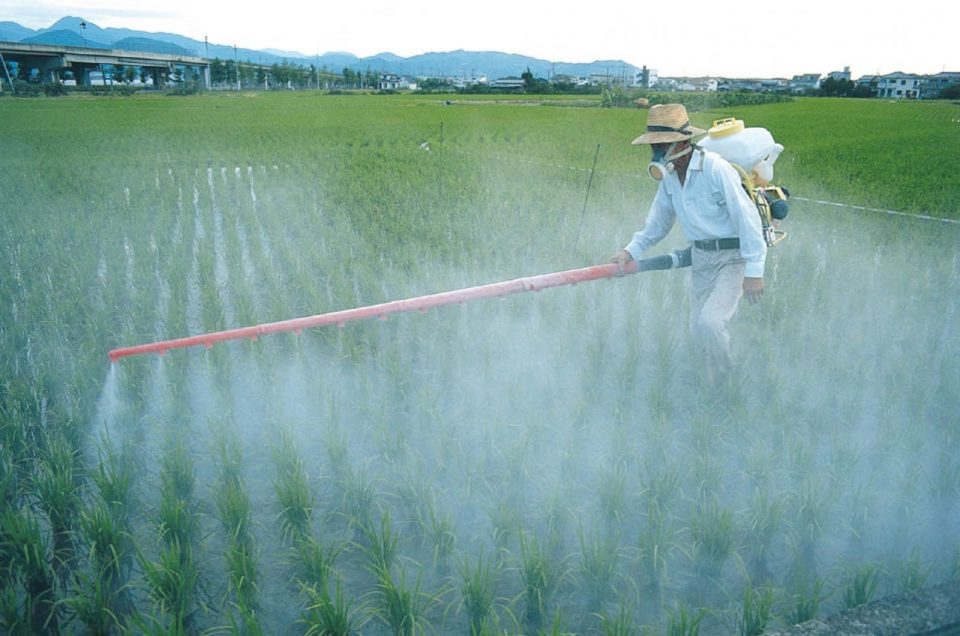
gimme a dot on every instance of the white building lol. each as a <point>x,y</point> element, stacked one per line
<point>840,75</point>
<point>901,85</point>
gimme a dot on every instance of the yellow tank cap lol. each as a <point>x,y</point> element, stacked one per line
<point>725,127</point>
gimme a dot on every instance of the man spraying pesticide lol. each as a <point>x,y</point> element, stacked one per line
<point>717,204</point>
<point>696,186</point>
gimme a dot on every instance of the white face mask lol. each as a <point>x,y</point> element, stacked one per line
<point>763,172</point>
<point>661,164</point>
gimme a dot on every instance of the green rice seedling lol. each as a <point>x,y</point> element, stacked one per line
<point>114,479</point>
<point>598,568</point>
<point>619,624</point>
<point>314,562</point>
<point>242,571</point>
<point>233,507</point>
<point>804,603</point>
<point>326,616</point>
<point>94,604</point>
<point>478,584</point>
<point>660,486</point>
<point>10,618</point>
<point>655,543</point>
<point>755,611</point>
<point>911,574</point>
<point>862,585</point>
<point>175,516</point>
<point>811,509</point>
<point>26,553</point>
<point>612,495</point>
<point>248,623</point>
<point>539,577</point>
<point>292,490</point>
<point>177,473</point>
<point>359,497</point>
<point>955,565</point>
<point>713,536</point>
<point>176,520</point>
<point>109,541</point>
<point>683,621</point>
<point>381,546</point>
<point>505,523</point>
<point>58,495</point>
<point>764,519</point>
<point>444,540</point>
<point>171,584</point>
<point>401,607</point>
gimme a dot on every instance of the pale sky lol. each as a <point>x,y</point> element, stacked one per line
<point>691,38</point>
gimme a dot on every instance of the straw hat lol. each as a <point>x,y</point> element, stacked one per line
<point>667,123</point>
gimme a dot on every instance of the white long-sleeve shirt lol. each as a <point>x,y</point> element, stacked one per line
<point>710,204</point>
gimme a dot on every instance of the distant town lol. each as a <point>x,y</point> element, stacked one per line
<point>896,85</point>
<point>57,67</point>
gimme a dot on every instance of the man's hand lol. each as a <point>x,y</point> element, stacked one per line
<point>753,289</point>
<point>621,259</point>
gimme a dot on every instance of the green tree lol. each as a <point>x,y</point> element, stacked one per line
<point>950,92</point>
<point>528,80</point>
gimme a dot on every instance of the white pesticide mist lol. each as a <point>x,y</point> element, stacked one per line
<point>575,419</point>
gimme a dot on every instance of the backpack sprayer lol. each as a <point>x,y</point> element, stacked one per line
<point>741,146</point>
<point>752,151</point>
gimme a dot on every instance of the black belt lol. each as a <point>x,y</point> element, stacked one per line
<point>713,245</point>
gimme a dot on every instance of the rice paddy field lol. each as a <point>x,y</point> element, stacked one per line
<point>547,463</point>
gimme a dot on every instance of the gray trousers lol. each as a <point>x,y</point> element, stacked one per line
<point>716,289</point>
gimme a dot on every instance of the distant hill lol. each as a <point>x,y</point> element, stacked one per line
<point>67,31</point>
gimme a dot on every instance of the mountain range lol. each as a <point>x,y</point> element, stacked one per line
<point>75,31</point>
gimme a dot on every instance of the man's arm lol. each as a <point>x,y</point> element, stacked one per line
<point>659,221</point>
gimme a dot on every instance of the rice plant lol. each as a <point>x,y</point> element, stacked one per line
<point>292,491</point>
<point>326,615</point>
<point>656,542</point>
<point>359,497</point>
<point>755,611</point>
<point>380,546</point>
<point>27,555</point>
<point>540,575</point>
<point>95,604</point>
<point>683,621</point>
<point>171,584</point>
<point>619,624</point>
<point>478,584</point>
<point>612,495</point>
<point>314,562</point>
<point>234,511</point>
<point>176,517</point>
<point>444,539</point>
<point>911,574</point>
<point>862,585</point>
<point>58,495</point>
<point>764,520</point>
<point>598,568</point>
<point>403,608</point>
<point>803,604</point>
<point>713,537</point>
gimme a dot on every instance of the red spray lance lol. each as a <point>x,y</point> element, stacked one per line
<point>418,303</point>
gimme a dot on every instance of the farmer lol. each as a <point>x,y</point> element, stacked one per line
<point>704,192</point>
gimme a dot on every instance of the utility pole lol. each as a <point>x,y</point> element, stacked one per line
<point>236,63</point>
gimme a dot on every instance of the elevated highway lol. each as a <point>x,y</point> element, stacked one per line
<point>53,61</point>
